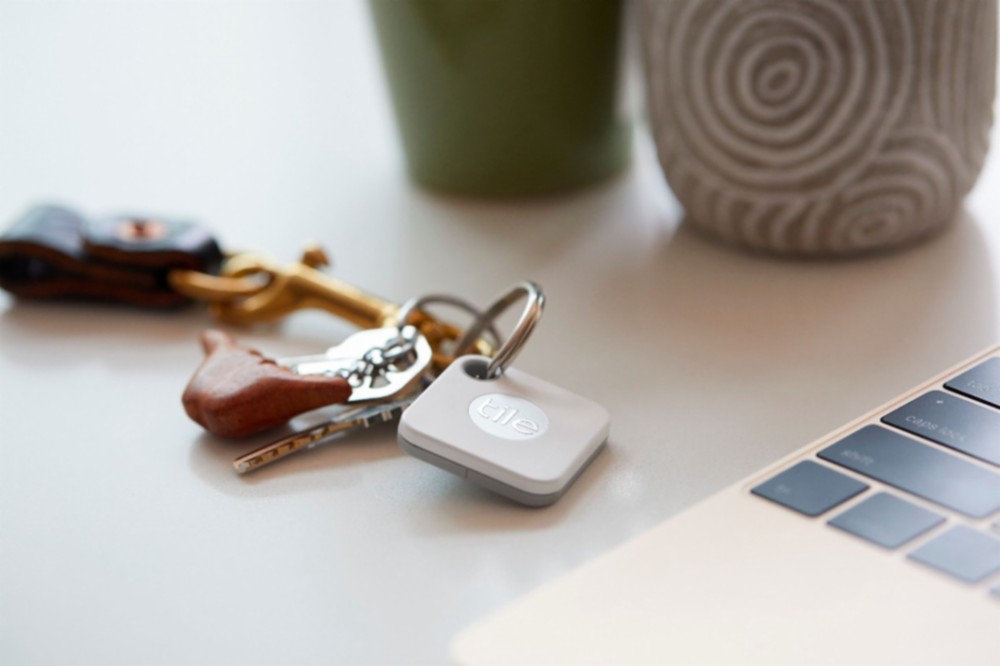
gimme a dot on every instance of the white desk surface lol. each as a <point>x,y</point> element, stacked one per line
<point>126,537</point>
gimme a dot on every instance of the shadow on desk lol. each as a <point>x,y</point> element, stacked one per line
<point>439,502</point>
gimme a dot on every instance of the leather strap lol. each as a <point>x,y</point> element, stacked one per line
<point>54,252</point>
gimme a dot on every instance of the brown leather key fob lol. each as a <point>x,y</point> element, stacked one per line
<point>54,252</point>
<point>236,391</point>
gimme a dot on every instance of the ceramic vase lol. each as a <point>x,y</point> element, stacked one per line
<point>819,127</point>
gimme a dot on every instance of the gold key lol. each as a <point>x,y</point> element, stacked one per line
<point>253,288</point>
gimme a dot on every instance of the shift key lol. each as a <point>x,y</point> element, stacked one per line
<point>921,469</point>
<point>952,421</point>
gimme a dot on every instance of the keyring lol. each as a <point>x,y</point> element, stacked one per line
<point>522,330</point>
<point>421,302</point>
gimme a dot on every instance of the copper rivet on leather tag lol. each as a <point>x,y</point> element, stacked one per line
<point>141,229</point>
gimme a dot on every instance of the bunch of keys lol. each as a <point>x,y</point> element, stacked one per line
<point>480,419</point>
<point>465,411</point>
<point>384,370</point>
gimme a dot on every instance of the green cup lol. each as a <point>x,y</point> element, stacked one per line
<point>505,98</point>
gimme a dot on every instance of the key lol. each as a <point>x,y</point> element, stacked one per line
<point>962,552</point>
<point>503,428</point>
<point>364,359</point>
<point>394,365</point>
<point>237,391</point>
<point>809,488</point>
<point>357,418</point>
<point>926,471</point>
<point>981,382</point>
<point>959,424</point>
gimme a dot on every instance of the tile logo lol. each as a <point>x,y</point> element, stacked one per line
<point>508,417</point>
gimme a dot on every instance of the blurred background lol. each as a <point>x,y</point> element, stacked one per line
<point>126,536</point>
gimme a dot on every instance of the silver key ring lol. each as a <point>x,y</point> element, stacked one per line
<point>530,317</point>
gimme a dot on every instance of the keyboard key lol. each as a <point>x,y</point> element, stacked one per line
<point>809,488</point>
<point>954,422</point>
<point>981,382</point>
<point>962,552</point>
<point>921,469</point>
<point>886,520</point>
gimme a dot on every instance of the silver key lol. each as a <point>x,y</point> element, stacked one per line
<point>379,363</point>
<point>386,367</point>
<point>357,418</point>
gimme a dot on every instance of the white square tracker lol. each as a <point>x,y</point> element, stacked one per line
<point>517,435</point>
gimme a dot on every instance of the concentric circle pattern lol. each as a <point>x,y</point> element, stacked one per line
<point>820,126</point>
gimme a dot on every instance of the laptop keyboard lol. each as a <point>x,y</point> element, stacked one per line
<point>942,447</point>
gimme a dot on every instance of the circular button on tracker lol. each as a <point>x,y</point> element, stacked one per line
<point>508,416</point>
<point>499,426</point>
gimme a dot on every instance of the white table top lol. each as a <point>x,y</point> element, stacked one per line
<point>126,537</point>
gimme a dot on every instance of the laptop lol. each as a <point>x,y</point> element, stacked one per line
<point>877,544</point>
